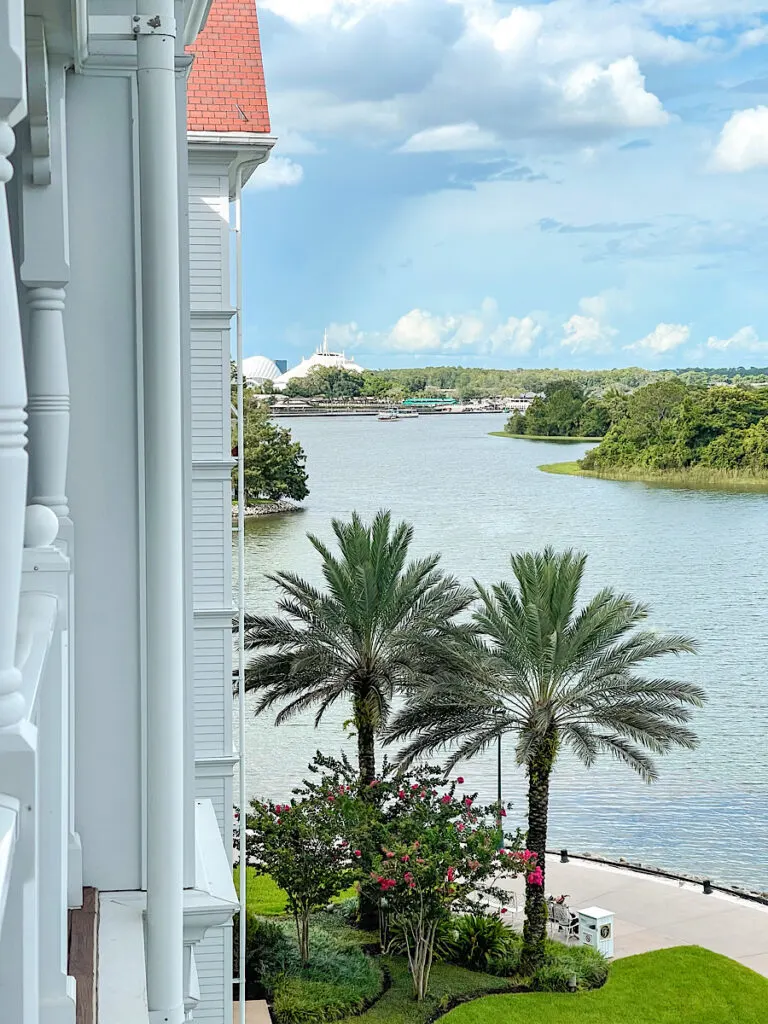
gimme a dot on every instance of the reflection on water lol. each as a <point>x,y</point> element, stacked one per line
<point>699,558</point>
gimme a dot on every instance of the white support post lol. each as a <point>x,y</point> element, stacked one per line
<point>161,326</point>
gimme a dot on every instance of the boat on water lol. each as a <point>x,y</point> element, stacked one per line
<point>397,414</point>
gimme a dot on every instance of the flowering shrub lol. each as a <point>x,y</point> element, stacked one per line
<point>301,845</point>
<point>439,850</point>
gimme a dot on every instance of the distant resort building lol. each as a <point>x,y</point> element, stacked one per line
<point>320,358</point>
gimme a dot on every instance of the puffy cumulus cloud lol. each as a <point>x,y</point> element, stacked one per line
<point>588,332</point>
<point>484,332</point>
<point>713,12</point>
<point>450,138</point>
<point>388,70</point>
<point>743,142</point>
<point>663,338</point>
<point>612,95</point>
<point>746,339</point>
<point>277,172</point>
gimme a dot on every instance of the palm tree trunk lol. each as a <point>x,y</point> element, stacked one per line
<point>535,929</point>
<point>368,908</point>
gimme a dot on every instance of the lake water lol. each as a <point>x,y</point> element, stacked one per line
<point>699,558</point>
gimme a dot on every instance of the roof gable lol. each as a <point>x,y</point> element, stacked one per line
<point>226,90</point>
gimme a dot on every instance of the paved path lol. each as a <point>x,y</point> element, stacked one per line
<point>654,913</point>
<point>256,1012</point>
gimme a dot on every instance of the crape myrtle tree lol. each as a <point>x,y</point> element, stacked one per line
<point>554,674</point>
<point>301,845</point>
<point>435,850</point>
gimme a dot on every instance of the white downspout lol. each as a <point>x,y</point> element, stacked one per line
<point>240,589</point>
<point>155,30</point>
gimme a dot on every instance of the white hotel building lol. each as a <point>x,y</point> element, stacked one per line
<point>116,763</point>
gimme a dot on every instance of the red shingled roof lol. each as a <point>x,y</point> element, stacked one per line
<point>226,91</point>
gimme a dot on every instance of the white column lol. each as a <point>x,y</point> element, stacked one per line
<point>13,395</point>
<point>164,521</point>
<point>48,403</point>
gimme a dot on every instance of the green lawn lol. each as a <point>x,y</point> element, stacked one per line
<point>446,984</point>
<point>264,896</point>
<point>544,437</point>
<point>684,985</point>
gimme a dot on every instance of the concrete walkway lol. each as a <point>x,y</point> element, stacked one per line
<point>655,913</point>
<point>256,1012</point>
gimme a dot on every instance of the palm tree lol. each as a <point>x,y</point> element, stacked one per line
<point>376,629</point>
<point>556,676</point>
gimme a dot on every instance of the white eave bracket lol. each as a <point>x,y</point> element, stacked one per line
<point>112,27</point>
<point>38,101</point>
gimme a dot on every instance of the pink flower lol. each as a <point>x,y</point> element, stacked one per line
<point>460,780</point>
<point>503,813</point>
<point>408,876</point>
<point>503,910</point>
<point>450,874</point>
<point>527,855</point>
<point>536,877</point>
<point>331,797</point>
<point>460,826</point>
<point>445,800</point>
<point>415,785</point>
<point>374,782</point>
<point>423,793</point>
<point>401,793</point>
<point>389,854</point>
<point>357,853</point>
<point>467,802</point>
<point>405,858</point>
<point>344,844</point>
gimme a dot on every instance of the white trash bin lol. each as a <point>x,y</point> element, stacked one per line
<point>596,929</point>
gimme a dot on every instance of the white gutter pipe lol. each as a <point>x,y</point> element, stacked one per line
<point>241,838</point>
<point>155,31</point>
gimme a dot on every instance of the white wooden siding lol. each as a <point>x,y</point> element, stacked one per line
<point>210,395</point>
<point>211,533</point>
<point>208,240</point>
<point>211,703</point>
<point>213,972</point>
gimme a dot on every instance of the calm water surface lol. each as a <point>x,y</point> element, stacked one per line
<point>700,559</point>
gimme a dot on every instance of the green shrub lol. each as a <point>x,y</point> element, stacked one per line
<point>482,944</point>
<point>564,962</point>
<point>346,908</point>
<point>269,952</point>
<point>308,1001</point>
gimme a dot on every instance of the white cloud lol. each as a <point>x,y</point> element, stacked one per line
<point>612,95</point>
<point>753,37</point>
<point>391,69</point>
<point>743,142</point>
<point>663,338</point>
<point>483,331</point>
<point>450,138</point>
<point>746,339</point>
<point>588,331</point>
<point>277,172</point>
<point>293,144</point>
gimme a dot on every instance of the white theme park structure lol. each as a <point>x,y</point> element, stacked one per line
<point>320,358</point>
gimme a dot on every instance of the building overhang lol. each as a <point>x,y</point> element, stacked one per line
<point>246,150</point>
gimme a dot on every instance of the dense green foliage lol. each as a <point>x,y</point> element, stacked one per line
<point>554,674</point>
<point>566,411</point>
<point>670,426</point>
<point>274,462</point>
<point>300,844</point>
<point>683,985</point>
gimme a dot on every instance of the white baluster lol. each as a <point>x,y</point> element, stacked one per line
<point>48,405</point>
<point>13,456</point>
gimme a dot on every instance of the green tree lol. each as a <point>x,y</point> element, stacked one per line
<point>300,845</point>
<point>274,462</point>
<point>555,675</point>
<point>374,631</point>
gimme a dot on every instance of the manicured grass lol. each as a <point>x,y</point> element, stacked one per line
<point>447,984</point>
<point>698,478</point>
<point>544,437</point>
<point>684,985</point>
<point>265,898</point>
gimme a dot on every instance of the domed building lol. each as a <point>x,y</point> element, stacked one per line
<point>320,358</point>
<point>258,369</point>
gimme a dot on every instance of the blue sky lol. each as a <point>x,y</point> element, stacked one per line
<point>573,183</point>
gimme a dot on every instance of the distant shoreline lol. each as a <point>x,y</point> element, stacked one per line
<point>267,508</point>
<point>698,478</point>
<point>558,439</point>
